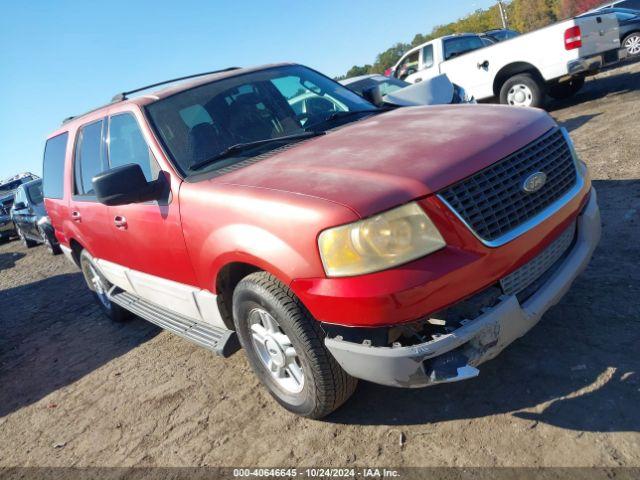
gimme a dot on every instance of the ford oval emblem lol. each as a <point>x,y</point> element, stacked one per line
<point>534,182</point>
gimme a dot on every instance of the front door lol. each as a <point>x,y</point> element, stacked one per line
<point>149,235</point>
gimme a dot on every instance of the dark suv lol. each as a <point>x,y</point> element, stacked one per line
<point>30,217</point>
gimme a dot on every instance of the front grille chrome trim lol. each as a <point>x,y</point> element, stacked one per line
<point>537,219</point>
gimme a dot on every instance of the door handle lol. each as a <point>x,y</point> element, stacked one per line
<point>75,216</point>
<point>120,222</point>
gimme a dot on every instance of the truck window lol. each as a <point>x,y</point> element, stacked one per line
<point>53,166</point>
<point>34,192</point>
<point>457,46</point>
<point>409,65</point>
<point>427,56</point>
<point>89,159</point>
<point>127,145</point>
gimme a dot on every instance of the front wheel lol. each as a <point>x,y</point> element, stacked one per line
<point>523,90</point>
<point>285,348</point>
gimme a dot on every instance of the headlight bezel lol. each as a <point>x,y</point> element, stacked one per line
<point>379,242</point>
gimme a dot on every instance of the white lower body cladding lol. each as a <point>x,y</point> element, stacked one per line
<point>480,339</point>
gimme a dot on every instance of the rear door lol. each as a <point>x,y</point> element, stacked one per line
<point>89,220</point>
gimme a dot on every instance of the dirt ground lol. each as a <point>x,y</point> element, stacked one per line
<point>77,390</point>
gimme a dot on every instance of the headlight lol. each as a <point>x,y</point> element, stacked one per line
<point>380,242</point>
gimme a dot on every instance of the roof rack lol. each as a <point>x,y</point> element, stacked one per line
<point>123,95</point>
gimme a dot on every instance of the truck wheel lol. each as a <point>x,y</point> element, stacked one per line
<point>632,43</point>
<point>523,90</point>
<point>285,347</point>
<point>24,240</point>
<point>52,247</point>
<point>564,90</point>
<point>100,286</point>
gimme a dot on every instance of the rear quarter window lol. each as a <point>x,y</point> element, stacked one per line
<point>53,166</point>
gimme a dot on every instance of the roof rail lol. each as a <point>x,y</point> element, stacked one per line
<point>123,95</point>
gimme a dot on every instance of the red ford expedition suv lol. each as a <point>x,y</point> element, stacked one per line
<point>332,239</point>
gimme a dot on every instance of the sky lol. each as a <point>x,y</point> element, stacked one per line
<point>60,58</point>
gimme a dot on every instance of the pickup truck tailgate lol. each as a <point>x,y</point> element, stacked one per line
<point>600,33</point>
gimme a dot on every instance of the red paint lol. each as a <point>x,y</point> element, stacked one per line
<point>270,214</point>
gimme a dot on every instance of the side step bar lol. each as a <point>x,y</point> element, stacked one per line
<point>219,340</point>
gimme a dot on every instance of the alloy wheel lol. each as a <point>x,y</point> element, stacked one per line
<point>275,351</point>
<point>632,44</point>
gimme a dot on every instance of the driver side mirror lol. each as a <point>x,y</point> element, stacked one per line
<point>373,95</point>
<point>19,205</point>
<point>124,185</point>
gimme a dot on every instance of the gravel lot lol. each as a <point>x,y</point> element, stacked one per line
<point>76,390</point>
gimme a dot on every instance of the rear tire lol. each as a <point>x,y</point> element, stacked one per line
<point>563,90</point>
<point>632,44</point>
<point>99,286</point>
<point>285,348</point>
<point>52,247</point>
<point>523,90</point>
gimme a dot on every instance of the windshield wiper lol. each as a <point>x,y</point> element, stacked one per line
<point>340,115</point>
<point>239,147</point>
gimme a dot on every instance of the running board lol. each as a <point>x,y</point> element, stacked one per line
<point>219,340</point>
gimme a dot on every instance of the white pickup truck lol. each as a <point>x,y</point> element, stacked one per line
<point>553,60</point>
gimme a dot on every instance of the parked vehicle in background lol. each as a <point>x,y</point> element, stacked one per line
<point>9,185</point>
<point>436,91</point>
<point>334,245</point>
<point>7,228</point>
<point>632,4</point>
<point>629,21</point>
<point>501,34</point>
<point>521,71</point>
<point>30,217</point>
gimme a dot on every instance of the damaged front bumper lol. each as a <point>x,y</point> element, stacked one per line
<point>455,356</point>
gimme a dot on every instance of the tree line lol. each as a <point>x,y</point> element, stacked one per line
<point>522,15</point>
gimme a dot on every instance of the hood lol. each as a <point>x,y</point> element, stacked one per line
<point>434,91</point>
<point>392,158</point>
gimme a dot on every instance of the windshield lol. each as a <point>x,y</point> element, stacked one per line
<point>199,124</point>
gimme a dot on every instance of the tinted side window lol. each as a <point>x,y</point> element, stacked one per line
<point>458,46</point>
<point>34,192</point>
<point>89,159</point>
<point>127,145</point>
<point>53,167</point>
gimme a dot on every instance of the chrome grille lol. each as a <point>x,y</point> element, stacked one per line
<point>492,202</point>
<point>527,274</point>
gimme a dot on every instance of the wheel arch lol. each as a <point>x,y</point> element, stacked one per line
<point>511,70</point>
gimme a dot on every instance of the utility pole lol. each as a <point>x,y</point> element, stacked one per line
<point>503,14</point>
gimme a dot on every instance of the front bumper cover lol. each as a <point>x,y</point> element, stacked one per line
<point>478,340</point>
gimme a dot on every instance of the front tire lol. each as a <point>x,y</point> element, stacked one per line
<point>523,90</point>
<point>99,286</point>
<point>285,348</point>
